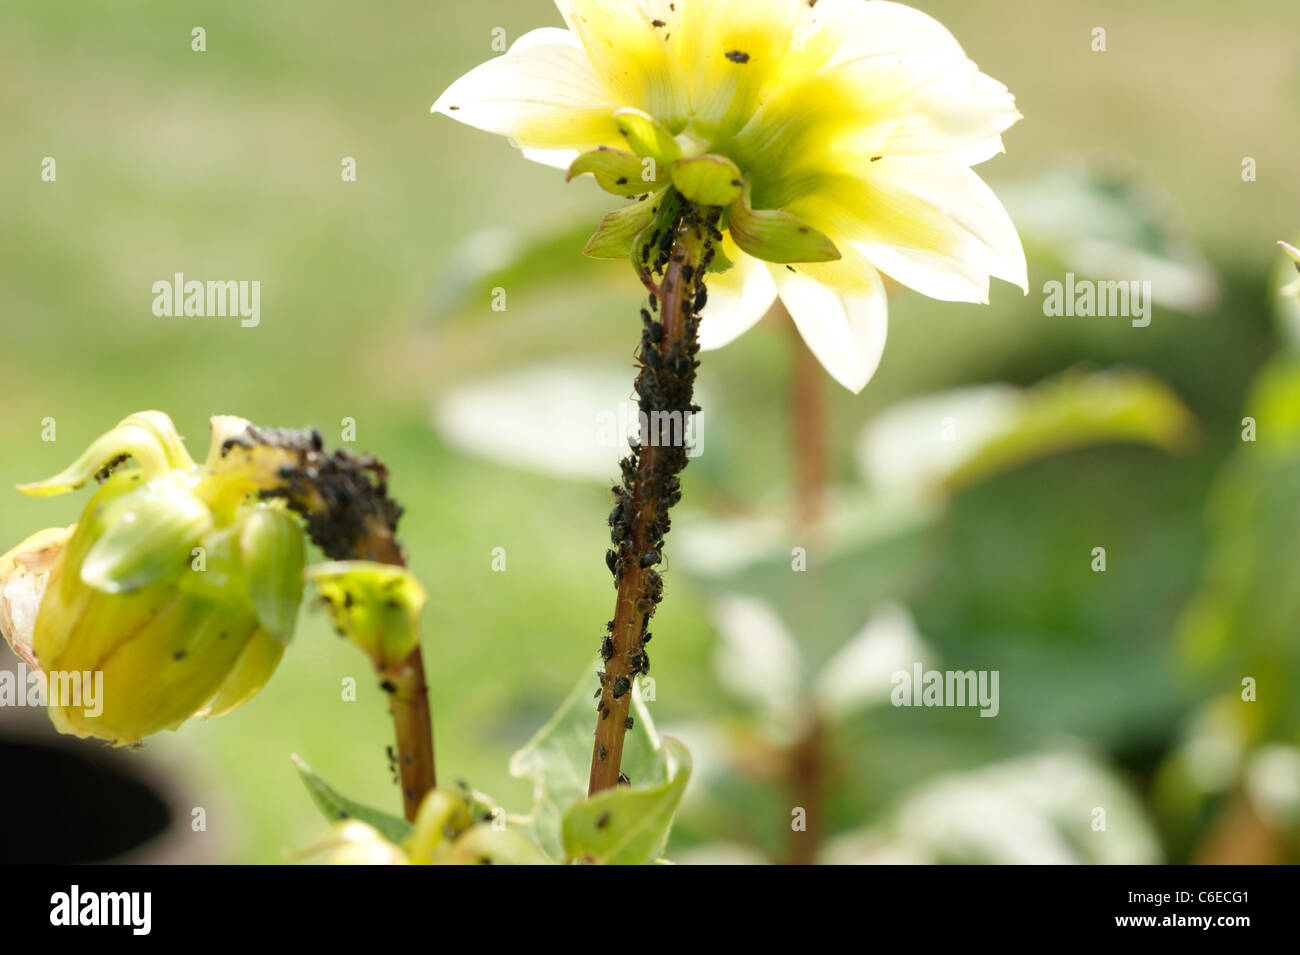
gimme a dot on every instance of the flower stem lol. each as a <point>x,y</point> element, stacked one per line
<point>409,705</point>
<point>651,484</point>
<point>408,701</point>
<point>349,516</point>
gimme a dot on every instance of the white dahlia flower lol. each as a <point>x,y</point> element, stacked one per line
<point>838,135</point>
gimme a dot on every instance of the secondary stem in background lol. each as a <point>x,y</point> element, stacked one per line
<point>810,451</point>
<point>808,424</point>
<point>650,484</point>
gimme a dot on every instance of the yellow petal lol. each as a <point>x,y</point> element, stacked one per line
<point>634,58</point>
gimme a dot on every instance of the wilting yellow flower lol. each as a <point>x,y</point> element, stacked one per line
<point>175,593</point>
<point>838,137</point>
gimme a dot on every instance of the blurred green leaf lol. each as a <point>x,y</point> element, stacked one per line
<point>628,825</point>
<point>1244,618</point>
<point>558,759</point>
<point>504,258</point>
<point>1106,224</point>
<point>870,548</point>
<point>948,441</point>
<point>334,806</point>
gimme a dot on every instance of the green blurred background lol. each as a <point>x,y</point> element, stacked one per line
<point>226,164</point>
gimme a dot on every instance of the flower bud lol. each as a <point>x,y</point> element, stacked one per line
<point>175,593</point>
<point>356,843</point>
<point>376,606</point>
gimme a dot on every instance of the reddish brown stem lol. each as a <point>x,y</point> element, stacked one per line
<point>650,485</point>
<point>409,705</point>
<point>408,700</point>
<point>807,766</point>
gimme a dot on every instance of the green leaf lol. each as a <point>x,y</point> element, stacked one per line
<point>618,172</point>
<point>776,236</point>
<point>708,180</point>
<point>558,759</point>
<point>616,238</point>
<point>875,548</point>
<point>628,825</point>
<point>334,806</point>
<point>947,441</point>
<point>501,257</point>
<point>1243,619</point>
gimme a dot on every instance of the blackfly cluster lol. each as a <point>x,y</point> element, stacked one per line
<point>650,483</point>
<point>342,498</point>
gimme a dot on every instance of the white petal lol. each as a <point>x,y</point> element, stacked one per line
<point>913,73</point>
<point>845,332</point>
<point>962,108</point>
<point>738,298</point>
<point>930,273</point>
<point>985,240</point>
<point>546,73</point>
<point>980,152</point>
<point>882,29</point>
<point>555,158</point>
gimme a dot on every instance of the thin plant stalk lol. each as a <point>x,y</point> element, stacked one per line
<point>682,250</point>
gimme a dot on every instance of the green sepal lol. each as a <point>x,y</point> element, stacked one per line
<point>708,180</point>
<point>148,534</point>
<point>618,172</point>
<point>273,553</point>
<point>646,136</point>
<point>617,235</point>
<point>776,236</point>
<point>719,262</point>
<point>666,213</point>
<point>148,437</point>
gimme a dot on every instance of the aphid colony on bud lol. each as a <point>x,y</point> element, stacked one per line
<point>650,484</point>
